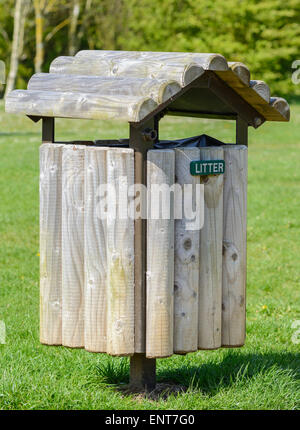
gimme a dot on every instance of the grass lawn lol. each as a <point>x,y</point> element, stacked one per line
<point>262,375</point>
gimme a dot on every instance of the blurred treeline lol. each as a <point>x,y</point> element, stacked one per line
<point>263,34</point>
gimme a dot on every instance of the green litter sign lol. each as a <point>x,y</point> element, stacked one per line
<point>207,167</point>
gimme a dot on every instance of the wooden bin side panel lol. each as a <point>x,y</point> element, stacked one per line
<point>81,303</point>
<point>160,261</point>
<point>73,246</point>
<point>211,234</point>
<point>95,258</point>
<point>234,246</point>
<point>186,261</point>
<point>120,257</point>
<point>50,244</point>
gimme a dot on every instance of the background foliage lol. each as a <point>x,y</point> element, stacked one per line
<point>263,34</point>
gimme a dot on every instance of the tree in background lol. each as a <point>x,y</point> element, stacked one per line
<point>39,43</point>
<point>75,10</point>
<point>43,9</point>
<point>21,10</point>
<point>87,13</point>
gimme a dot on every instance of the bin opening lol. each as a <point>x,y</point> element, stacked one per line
<point>200,141</point>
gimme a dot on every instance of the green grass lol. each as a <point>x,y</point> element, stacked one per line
<point>262,375</point>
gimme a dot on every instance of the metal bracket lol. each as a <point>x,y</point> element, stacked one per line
<point>34,118</point>
<point>149,135</point>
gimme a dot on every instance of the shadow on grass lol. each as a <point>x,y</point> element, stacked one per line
<point>115,373</point>
<point>208,378</point>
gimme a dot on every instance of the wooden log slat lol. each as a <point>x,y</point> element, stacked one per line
<point>73,246</point>
<point>160,261</point>
<point>210,278</point>
<point>160,91</point>
<point>262,89</point>
<point>281,106</point>
<point>242,71</point>
<point>95,259</point>
<point>120,257</point>
<point>50,244</point>
<point>88,54</point>
<point>234,246</point>
<point>79,105</point>
<point>64,62</point>
<point>186,263</point>
<point>182,70</point>
<point>208,61</point>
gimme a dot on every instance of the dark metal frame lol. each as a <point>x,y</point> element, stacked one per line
<point>238,107</point>
<point>48,130</point>
<point>142,369</point>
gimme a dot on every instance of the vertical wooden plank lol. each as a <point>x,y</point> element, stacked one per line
<point>120,257</point>
<point>73,246</point>
<point>186,263</point>
<point>234,245</point>
<point>160,261</point>
<point>50,244</point>
<point>210,280</point>
<point>95,260</point>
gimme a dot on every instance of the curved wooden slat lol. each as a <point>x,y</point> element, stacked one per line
<point>210,269</point>
<point>262,89</point>
<point>160,258</point>
<point>180,71</point>
<point>281,106</point>
<point>241,70</point>
<point>159,91</point>
<point>208,61</point>
<point>120,255</point>
<point>50,244</point>
<point>186,270</point>
<point>68,65</point>
<point>234,246</point>
<point>95,254</point>
<point>79,105</point>
<point>73,246</point>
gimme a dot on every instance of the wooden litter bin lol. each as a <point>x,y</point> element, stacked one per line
<point>148,287</point>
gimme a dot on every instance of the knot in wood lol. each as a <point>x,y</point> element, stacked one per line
<point>187,244</point>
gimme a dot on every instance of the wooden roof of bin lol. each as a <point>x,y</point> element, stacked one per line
<point>135,86</point>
